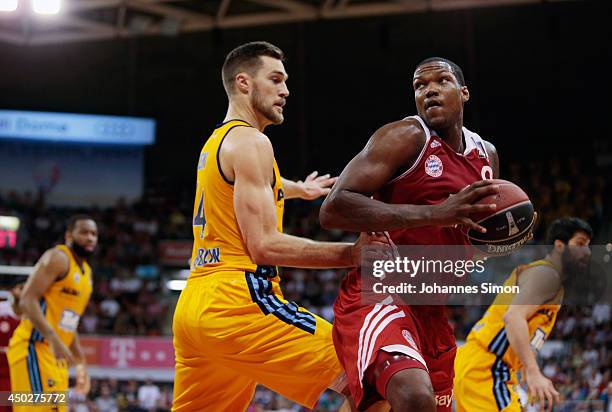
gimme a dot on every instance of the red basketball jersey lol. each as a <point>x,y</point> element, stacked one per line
<point>438,172</point>
<point>418,331</point>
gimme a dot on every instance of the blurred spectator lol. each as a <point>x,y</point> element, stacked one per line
<point>109,307</point>
<point>148,396</point>
<point>601,313</point>
<point>106,402</point>
<point>78,402</point>
<point>130,396</point>
<point>89,321</point>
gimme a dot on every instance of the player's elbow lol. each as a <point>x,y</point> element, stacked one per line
<point>24,303</point>
<point>509,317</point>
<point>325,219</point>
<point>259,257</point>
<point>328,215</point>
<point>261,253</point>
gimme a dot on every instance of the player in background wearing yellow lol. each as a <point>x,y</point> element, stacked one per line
<point>515,326</point>
<point>232,327</point>
<point>53,299</point>
<point>9,320</point>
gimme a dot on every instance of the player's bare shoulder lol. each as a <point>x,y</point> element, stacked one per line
<point>489,147</point>
<point>55,257</point>
<point>244,145</point>
<point>54,262</point>
<point>389,151</point>
<point>401,133</point>
<point>540,281</point>
<point>399,142</point>
<point>246,138</point>
<point>493,157</point>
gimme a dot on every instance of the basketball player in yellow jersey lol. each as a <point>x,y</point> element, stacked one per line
<point>232,327</point>
<point>514,327</point>
<point>52,302</point>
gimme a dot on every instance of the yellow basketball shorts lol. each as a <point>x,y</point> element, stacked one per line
<point>234,330</point>
<point>483,382</point>
<point>38,372</point>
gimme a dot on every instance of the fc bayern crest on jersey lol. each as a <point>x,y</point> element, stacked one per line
<point>5,327</point>
<point>433,166</point>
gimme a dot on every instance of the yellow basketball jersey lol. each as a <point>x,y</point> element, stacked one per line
<point>62,304</point>
<point>218,244</point>
<point>490,331</point>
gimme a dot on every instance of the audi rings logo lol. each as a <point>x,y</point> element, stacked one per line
<point>114,129</point>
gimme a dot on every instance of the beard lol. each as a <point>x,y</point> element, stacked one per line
<point>80,251</point>
<point>267,111</point>
<point>573,266</point>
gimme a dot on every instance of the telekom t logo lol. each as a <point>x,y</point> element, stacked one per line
<point>123,351</point>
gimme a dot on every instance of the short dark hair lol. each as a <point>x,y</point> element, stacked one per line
<point>246,58</point>
<point>72,221</point>
<point>454,67</point>
<point>565,228</point>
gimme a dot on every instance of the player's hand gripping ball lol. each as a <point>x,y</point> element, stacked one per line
<point>509,226</point>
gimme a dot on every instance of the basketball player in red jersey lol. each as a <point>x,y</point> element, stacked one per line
<point>425,174</point>
<point>9,320</point>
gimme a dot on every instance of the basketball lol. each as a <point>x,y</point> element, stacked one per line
<point>508,227</point>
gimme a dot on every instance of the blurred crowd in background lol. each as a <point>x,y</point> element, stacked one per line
<point>130,297</point>
<point>111,395</point>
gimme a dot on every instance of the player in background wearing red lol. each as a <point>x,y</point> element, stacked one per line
<point>425,174</point>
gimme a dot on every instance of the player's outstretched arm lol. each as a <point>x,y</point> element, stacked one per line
<point>250,156</point>
<point>313,187</point>
<point>52,265</point>
<point>391,150</point>
<point>538,285</point>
